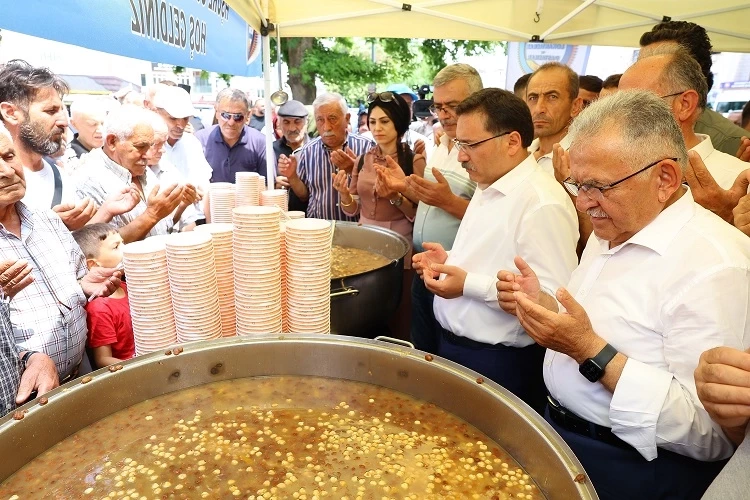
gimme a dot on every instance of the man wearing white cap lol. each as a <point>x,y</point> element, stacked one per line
<point>184,151</point>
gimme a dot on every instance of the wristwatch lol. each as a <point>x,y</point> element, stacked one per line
<point>398,201</point>
<point>26,356</point>
<point>593,368</point>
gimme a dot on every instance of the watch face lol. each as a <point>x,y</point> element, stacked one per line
<point>589,370</point>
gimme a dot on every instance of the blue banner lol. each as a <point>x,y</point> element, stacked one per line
<point>200,34</point>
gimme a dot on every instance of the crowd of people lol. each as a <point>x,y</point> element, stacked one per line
<point>584,243</point>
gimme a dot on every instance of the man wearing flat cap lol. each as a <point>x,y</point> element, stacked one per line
<point>293,123</point>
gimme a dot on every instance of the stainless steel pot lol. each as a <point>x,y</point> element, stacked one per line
<point>361,304</point>
<point>489,407</point>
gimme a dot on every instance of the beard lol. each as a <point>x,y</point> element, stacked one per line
<point>34,137</point>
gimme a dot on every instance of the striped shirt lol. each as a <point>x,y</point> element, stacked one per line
<point>48,315</point>
<point>101,177</point>
<point>315,170</point>
<point>10,363</point>
<point>433,224</point>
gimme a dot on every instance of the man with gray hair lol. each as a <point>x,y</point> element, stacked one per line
<point>677,78</point>
<point>122,163</point>
<point>310,174</point>
<point>230,146</point>
<point>661,281</point>
<point>87,116</point>
<point>443,194</point>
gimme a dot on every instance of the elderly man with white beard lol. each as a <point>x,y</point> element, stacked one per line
<point>660,281</point>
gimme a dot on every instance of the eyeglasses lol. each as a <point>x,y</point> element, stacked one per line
<point>597,192</point>
<point>672,95</point>
<point>443,108</point>
<point>468,147</point>
<point>238,117</point>
<point>381,96</point>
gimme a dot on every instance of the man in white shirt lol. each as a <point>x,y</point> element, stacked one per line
<point>516,209</point>
<point>443,194</point>
<point>552,97</point>
<point>676,77</point>
<point>661,281</point>
<point>184,151</point>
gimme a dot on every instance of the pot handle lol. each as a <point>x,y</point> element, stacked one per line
<point>344,291</point>
<point>391,340</point>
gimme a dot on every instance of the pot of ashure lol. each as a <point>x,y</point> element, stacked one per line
<point>365,290</point>
<point>267,416</point>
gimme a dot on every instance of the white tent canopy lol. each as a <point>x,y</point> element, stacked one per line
<point>589,22</point>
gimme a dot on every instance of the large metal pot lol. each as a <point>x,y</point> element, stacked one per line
<point>361,304</point>
<point>489,407</point>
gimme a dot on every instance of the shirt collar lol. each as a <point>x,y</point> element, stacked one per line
<point>120,171</point>
<point>704,148</point>
<point>219,137</point>
<point>660,232</point>
<point>508,182</point>
<point>534,146</point>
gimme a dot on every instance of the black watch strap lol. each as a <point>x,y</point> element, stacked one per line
<point>26,356</point>
<point>593,368</point>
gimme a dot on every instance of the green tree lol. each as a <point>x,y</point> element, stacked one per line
<point>345,65</point>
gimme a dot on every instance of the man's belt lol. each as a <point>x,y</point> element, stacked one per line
<point>573,423</point>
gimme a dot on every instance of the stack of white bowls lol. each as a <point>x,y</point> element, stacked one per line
<point>149,296</point>
<point>222,244</point>
<point>221,201</point>
<point>275,198</point>
<point>247,189</point>
<point>192,278</point>
<point>295,214</point>
<point>308,275</point>
<point>257,270</point>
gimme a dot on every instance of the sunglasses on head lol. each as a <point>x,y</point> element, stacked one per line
<point>238,117</point>
<point>382,96</point>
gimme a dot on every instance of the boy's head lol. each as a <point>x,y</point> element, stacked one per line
<point>101,244</point>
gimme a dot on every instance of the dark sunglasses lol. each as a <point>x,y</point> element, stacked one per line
<point>382,96</point>
<point>238,117</point>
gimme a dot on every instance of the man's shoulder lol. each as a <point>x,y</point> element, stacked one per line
<point>724,133</point>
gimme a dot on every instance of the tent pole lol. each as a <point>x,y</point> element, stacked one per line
<point>567,18</point>
<point>270,158</point>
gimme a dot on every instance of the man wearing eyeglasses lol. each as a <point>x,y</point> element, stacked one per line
<point>661,281</point>
<point>231,146</point>
<point>443,194</point>
<point>717,180</point>
<point>517,208</point>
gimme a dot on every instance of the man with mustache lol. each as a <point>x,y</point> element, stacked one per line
<point>552,97</point>
<point>310,174</point>
<point>122,163</point>
<point>661,281</point>
<point>673,75</point>
<point>292,116</point>
<point>516,208</point>
<point>32,110</point>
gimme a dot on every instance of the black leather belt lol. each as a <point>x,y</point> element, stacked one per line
<point>573,423</point>
<point>467,342</point>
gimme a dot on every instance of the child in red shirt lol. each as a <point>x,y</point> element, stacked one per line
<point>110,328</point>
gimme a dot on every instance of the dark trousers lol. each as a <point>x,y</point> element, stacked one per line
<point>424,326</point>
<point>518,369</point>
<point>622,473</point>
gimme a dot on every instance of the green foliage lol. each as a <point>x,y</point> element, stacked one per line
<point>345,65</point>
<point>178,70</point>
<point>226,77</point>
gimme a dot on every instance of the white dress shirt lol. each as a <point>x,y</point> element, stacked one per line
<point>723,168</point>
<point>545,161</point>
<point>187,156</point>
<point>167,174</point>
<point>527,213</point>
<point>673,290</point>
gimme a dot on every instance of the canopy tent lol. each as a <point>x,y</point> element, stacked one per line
<point>575,22</point>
